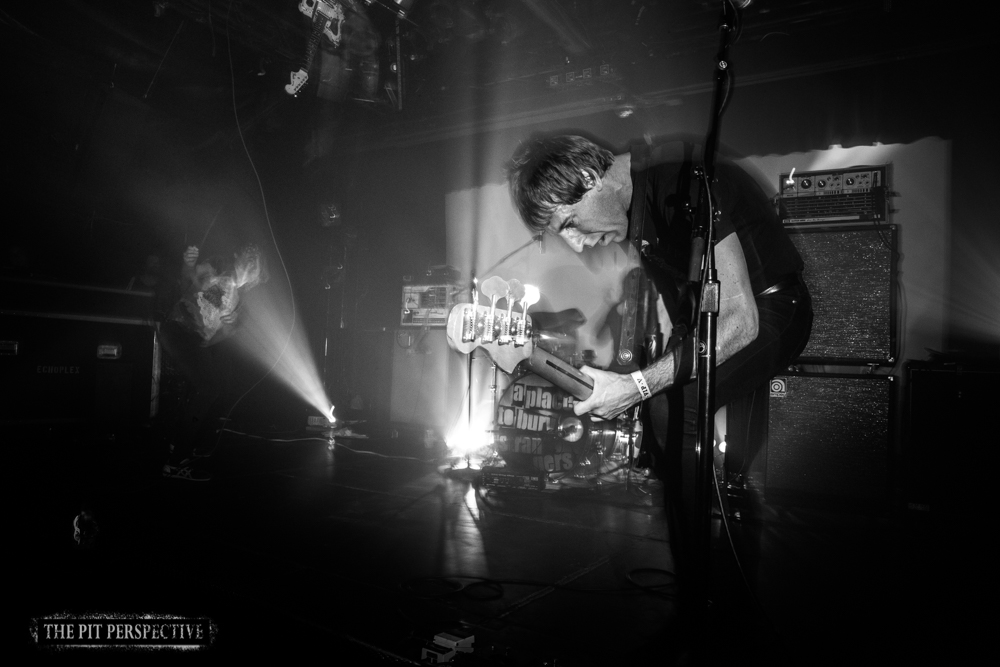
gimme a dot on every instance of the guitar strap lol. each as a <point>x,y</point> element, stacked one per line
<point>682,299</point>
<point>633,280</point>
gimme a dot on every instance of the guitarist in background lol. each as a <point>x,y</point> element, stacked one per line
<point>193,337</point>
<point>572,188</point>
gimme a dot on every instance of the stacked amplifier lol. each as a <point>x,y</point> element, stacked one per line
<point>427,376</point>
<point>857,194</point>
<point>428,298</point>
<point>837,220</point>
<point>828,433</point>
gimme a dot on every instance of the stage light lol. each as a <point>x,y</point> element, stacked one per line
<point>327,420</point>
<point>467,439</point>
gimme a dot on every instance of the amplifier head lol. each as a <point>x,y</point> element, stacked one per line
<point>854,194</point>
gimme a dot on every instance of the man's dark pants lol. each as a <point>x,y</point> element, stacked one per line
<point>785,321</point>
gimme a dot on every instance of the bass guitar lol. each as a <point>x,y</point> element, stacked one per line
<point>508,338</point>
<point>532,433</point>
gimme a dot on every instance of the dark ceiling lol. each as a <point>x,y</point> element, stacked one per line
<point>425,67</point>
<point>121,115</point>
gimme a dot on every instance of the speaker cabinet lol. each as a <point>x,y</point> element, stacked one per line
<point>98,373</point>
<point>828,441</point>
<point>428,380</point>
<point>851,274</point>
<point>369,362</point>
<point>950,434</point>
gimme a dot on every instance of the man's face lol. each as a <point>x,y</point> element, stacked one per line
<point>597,219</point>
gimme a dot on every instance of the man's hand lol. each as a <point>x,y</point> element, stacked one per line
<point>191,255</point>
<point>613,394</point>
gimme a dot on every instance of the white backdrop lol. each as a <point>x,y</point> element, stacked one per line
<point>483,227</point>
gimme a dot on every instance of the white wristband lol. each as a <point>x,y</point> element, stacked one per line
<point>640,382</point>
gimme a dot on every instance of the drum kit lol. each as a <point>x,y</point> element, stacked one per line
<point>536,434</point>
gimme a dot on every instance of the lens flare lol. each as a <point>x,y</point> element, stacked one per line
<point>469,438</point>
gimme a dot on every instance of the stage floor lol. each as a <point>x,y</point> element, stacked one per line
<point>364,551</point>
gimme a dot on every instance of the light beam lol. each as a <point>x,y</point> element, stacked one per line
<point>276,339</point>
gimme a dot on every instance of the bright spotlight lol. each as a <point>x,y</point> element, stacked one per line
<point>467,439</point>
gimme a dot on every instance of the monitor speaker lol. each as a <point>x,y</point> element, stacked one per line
<point>428,380</point>
<point>99,373</point>
<point>368,363</point>
<point>950,434</point>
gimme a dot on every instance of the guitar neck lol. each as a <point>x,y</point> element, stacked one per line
<point>319,23</point>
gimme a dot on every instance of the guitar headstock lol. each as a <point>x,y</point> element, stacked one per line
<point>506,335</point>
<point>506,339</point>
<point>298,80</point>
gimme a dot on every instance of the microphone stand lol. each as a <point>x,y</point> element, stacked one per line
<point>703,271</point>
<point>474,287</point>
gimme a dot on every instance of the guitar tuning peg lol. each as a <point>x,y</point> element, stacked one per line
<point>530,298</point>
<point>494,287</point>
<point>515,290</point>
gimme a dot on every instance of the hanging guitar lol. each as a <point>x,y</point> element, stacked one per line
<point>323,15</point>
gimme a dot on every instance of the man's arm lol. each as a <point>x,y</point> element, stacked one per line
<point>226,331</point>
<point>190,261</point>
<point>737,328</point>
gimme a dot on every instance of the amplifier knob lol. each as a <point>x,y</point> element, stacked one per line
<point>850,181</point>
<point>820,183</point>
<point>805,183</point>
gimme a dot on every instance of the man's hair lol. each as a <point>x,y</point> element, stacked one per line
<point>547,172</point>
